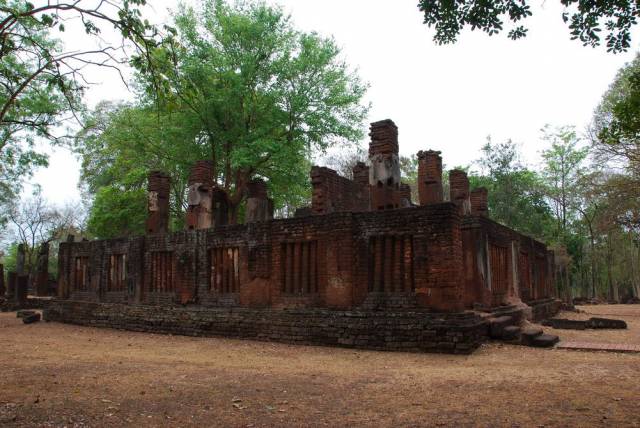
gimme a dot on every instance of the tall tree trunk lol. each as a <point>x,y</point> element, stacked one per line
<point>637,278</point>
<point>610,267</point>
<point>568,285</point>
<point>593,258</point>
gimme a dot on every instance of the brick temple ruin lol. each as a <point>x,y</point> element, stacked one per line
<point>363,266</point>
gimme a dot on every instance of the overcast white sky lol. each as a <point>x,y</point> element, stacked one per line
<point>447,98</point>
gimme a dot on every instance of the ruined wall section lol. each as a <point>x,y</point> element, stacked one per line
<point>159,190</point>
<point>502,266</point>
<point>312,261</point>
<point>200,212</point>
<point>231,259</point>
<point>459,333</point>
<point>384,170</point>
<point>406,258</point>
<point>479,201</point>
<point>430,177</point>
<point>333,193</point>
<point>259,206</point>
<point>170,268</point>
<point>409,257</point>
<point>459,190</point>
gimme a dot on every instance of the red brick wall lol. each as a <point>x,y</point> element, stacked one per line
<point>479,201</point>
<point>158,203</point>
<point>334,193</point>
<point>528,274</point>
<point>459,190</point>
<point>421,268</point>
<point>430,177</point>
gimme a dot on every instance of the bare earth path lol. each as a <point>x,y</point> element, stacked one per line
<point>62,375</point>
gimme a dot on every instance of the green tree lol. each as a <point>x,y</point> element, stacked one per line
<point>118,146</point>
<point>586,19</point>
<point>41,84</point>
<point>563,170</point>
<point>409,172</point>
<point>246,90</point>
<point>515,196</point>
<point>118,213</point>
<point>616,122</point>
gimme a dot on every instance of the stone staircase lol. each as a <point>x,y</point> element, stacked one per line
<point>505,325</point>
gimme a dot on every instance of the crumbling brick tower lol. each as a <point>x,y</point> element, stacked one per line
<point>479,202</point>
<point>200,197</point>
<point>361,175</point>
<point>459,190</point>
<point>259,206</point>
<point>384,173</point>
<point>429,177</point>
<point>159,189</point>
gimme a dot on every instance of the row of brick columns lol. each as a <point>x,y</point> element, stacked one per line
<point>17,288</point>
<point>207,204</point>
<point>430,189</point>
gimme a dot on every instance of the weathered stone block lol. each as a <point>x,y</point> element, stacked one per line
<point>497,326</point>
<point>606,323</point>
<point>32,318</point>
<point>528,334</point>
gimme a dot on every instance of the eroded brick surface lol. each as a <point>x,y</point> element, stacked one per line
<point>362,246</point>
<point>390,331</point>
<point>159,189</point>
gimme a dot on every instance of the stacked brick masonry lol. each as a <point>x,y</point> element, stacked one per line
<point>459,333</point>
<point>426,257</point>
<point>544,308</point>
<point>430,177</point>
<point>158,202</point>
<point>528,274</point>
<point>334,193</point>
<point>331,251</point>
<point>435,234</point>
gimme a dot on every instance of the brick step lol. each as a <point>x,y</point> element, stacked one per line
<point>512,333</point>
<point>594,323</point>
<point>545,341</point>
<point>498,324</point>
<point>501,310</point>
<point>528,334</point>
<point>31,318</point>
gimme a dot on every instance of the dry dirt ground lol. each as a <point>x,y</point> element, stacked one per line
<point>62,375</point>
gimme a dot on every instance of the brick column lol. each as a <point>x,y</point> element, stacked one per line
<point>21,290</point>
<point>159,188</point>
<point>459,190</point>
<point>479,205</point>
<point>361,178</point>
<point>429,177</point>
<point>384,174</point>
<point>405,195</point>
<point>42,273</point>
<point>361,174</point>
<point>259,206</point>
<point>200,210</point>
<point>320,203</point>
